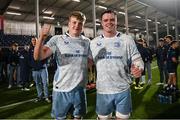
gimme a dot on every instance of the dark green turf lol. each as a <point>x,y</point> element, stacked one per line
<point>145,103</point>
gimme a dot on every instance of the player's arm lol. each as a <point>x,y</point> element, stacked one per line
<point>40,51</point>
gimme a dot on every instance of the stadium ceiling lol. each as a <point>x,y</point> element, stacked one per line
<point>58,10</point>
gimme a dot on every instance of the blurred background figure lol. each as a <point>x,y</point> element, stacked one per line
<point>24,68</point>
<point>14,71</point>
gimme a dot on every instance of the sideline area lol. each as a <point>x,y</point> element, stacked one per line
<point>17,104</point>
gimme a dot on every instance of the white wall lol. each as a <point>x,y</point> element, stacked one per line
<point>29,28</point>
<point>19,28</point>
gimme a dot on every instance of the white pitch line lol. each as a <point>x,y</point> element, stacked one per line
<point>18,103</point>
<point>154,67</point>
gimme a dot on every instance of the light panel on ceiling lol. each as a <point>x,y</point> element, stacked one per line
<point>13,13</point>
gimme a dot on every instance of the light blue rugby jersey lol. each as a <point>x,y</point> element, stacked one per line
<point>71,56</point>
<point>112,57</point>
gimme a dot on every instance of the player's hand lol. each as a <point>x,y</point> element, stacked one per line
<point>45,31</point>
<point>136,71</point>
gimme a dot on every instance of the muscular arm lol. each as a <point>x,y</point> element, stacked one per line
<point>40,51</point>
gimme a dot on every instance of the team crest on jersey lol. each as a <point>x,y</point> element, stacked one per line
<point>77,51</point>
<point>66,42</point>
<point>108,53</point>
<point>116,44</point>
<point>99,44</point>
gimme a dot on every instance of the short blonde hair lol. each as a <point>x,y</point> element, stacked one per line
<point>79,15</point>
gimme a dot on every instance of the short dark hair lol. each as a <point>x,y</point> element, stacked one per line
<point>108,11</point>
<point>173,42</point>
<point>170,37</point>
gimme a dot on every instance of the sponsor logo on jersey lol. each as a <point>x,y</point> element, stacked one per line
<point>108,55</point>
<point>116,44</point>
<point>75,55</point>
<point>99,44</point>
<point>77,51</point>
<point>66,42</point>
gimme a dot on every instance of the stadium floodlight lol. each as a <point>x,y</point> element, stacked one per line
<point>99,6</point>
<point>173,27</point>
<point>47,12</point>
<point>149,20</point>
<point>76,0</point>
<point>122,13</point>
<point>136,29</point>
<point>138,16</point>
<point>14,7</point>
<point>98,24</point>
<point>13,13</point>
<point>98,20</point>
<point>50,18</point>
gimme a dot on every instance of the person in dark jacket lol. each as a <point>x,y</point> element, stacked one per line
<point>40,74</point>
<point>14,74</point>
<point>167,41</point>
<point>142,51</point>
<point>161,58</point>
<point>24,68</point>
<point>147,62</point>
<point>172,63</point>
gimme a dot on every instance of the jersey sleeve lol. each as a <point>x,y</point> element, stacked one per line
<point>52,44</point>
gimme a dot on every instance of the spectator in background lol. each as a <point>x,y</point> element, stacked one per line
<point>172,63</point>
<point>24,68</point>
<point>161,58</point>
<point>168,39</point>
<point>148,62</point>
<point>14,71</point>
<point>40,74</point>
<point>139,81</point>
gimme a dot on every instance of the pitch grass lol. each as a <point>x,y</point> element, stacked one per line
<point>145,104</point>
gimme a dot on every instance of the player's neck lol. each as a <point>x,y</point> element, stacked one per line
<point>109,34</point>
<point>74,35</point>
